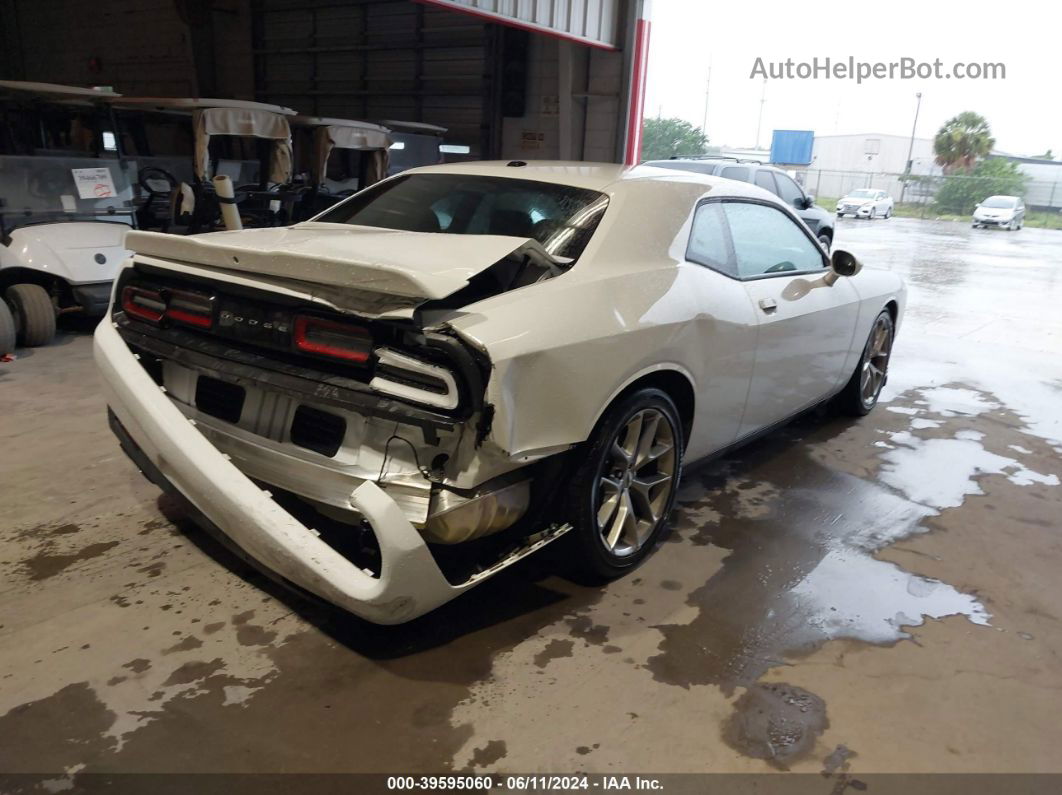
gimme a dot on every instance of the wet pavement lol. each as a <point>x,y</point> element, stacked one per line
<point>871,596</point>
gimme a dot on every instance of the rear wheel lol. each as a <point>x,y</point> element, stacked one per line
<point>7,330</point>
<point>624,488</point>
<point>860,394</point>
<point>33,312</point>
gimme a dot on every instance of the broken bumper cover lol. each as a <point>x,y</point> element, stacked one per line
<point>410,582</point>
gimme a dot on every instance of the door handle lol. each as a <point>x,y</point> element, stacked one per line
<point>768,305</point>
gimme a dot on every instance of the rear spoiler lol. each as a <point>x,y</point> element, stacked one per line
<point>413,265</point>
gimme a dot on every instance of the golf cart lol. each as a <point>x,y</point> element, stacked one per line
<point>65,206</point>
<point>182,146</point>
<point>415,144</point>
<point>338,157</point>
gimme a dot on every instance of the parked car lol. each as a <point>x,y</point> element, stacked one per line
<point>1005,212</point>
<point>443,373</point>
<point>866,203</point>
<point>819,221</point>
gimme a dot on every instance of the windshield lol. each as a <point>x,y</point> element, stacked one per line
<point>999,201</point>
<point>862,194</point>
<point>560,217</point>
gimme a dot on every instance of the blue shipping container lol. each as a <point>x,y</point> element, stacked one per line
<point>792,147</point>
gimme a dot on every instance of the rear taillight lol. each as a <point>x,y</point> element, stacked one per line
<point>181,306</point>
<point>195,309</point>
<point>331,338</point>
<point>143,304</point>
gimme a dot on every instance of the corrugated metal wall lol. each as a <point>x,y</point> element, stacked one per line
<point>377,59</point>
<point>590,21</point>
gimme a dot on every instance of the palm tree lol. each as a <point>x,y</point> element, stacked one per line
<point>962,141</point>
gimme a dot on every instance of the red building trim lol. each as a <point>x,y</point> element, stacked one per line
<point>639,68</point>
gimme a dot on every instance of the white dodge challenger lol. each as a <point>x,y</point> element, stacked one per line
<point>390,403</point>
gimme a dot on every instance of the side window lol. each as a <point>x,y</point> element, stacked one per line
<point>789,191</point>
<point>767,241</point>
<point>736,172</point>
<point>708,240</point>
<point>765,180</point>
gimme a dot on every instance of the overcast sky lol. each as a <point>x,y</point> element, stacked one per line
<point>1024,110</point>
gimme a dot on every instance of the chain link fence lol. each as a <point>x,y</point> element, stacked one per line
<point>922,195</point>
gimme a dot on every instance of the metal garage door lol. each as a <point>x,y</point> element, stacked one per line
<point>378,59</point>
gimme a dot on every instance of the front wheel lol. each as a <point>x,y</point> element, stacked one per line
<point>826,241</point>
<point>861,393</point>
<point>888,213</point>
<point>624,488</point>
<point>34,313</point>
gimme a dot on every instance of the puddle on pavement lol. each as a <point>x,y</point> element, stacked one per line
<point>802,570</point>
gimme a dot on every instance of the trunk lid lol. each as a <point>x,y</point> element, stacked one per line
<point>364,269</point>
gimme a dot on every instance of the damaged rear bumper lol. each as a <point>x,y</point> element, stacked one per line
<point>410,582</point>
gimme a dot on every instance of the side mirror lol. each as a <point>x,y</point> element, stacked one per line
<point>807,202</point>
<point>842,263</point>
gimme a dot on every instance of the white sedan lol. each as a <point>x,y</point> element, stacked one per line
<point>461,364</point>
<point>866,203</point>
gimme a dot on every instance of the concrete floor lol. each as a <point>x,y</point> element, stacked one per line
<point>886,591</point>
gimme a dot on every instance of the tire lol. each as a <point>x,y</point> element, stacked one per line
<point>826,241</point>
<point>7,330</point>
<point>34,313</point>
<point>888,213</point>
<point>618,507</point>
<point>859,397</point>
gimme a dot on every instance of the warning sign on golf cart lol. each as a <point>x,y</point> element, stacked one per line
<point>94,183</point>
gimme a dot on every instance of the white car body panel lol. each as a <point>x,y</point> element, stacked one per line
<point>560,350</point>
<point>68,250</point>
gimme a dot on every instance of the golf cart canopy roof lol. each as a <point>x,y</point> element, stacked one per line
<point>56,91</point>
<point>414,127</point>
<point>200,103</point>
<point>346,133</point>
<point>228,117</point>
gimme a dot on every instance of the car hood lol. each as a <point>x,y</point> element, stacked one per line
<point>367,269</point>
<point>993,212</point>
<point>850,200</point>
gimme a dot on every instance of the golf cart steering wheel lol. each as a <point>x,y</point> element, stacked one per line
<point>148,174</point>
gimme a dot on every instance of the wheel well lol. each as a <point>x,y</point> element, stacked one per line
<point>678,388</point>
<point>53,284</point>
<point>893,311</point>
<point>826,230</point>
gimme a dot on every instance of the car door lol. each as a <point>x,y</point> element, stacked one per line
<point>805,326</point>
<point>793,195</point>
<point>725,333</point>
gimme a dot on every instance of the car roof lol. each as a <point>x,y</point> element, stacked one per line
<point>604,177</point>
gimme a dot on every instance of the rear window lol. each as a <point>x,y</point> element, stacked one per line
<point>736,172</point>
<point>560,217</point>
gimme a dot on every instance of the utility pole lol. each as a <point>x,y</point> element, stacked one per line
<point>707,87</point>
<point>910,149</point>
<point>759,123</point>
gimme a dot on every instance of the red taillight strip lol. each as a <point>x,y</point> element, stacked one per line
<point>151,305</point>
<point>139,310</point>
<point>304,324</point>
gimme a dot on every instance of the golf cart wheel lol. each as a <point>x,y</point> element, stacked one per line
<point>34,313</point>
<point>861,393</point>
<point>624,488</point>
<point>7,330</point>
